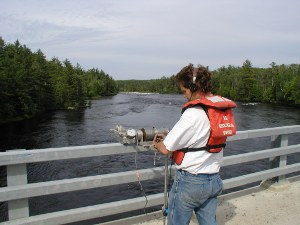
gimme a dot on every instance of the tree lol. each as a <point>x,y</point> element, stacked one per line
<point>247,88</point>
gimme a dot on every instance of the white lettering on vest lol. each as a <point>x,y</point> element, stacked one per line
<point>223,125</point>
<point>227,132</point>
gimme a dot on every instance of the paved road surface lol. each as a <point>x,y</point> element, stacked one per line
<point>275,206</point>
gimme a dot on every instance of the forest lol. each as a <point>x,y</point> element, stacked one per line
<point>31,84</point>
<point>164,85</point>
<point>279,84</point>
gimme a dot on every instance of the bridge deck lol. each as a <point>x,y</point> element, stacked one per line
<point>277,205</point>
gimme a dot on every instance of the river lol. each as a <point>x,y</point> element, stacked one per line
<point>92,126</point>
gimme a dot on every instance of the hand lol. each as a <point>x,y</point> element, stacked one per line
<point>159,144</point>
<point>158,138</point>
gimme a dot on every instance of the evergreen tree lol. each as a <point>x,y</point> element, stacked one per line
<point>247,90</point>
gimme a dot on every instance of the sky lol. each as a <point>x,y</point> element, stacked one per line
<point>148,39</point>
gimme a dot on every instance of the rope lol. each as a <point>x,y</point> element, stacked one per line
<point>139,181</point>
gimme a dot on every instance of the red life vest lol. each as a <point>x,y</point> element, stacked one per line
<point>218,110</point>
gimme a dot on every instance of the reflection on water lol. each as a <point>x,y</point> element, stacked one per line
<point>92,126</point>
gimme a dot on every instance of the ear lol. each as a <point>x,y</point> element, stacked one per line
<point>189,91</point>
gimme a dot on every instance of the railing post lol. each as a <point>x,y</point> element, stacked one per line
<point>279,161</point>
<point>17,175</point>
<point>283,159</point>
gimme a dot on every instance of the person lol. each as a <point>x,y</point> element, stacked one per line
<point>197,182</point>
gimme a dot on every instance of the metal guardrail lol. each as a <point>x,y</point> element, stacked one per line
<point>18,191</point>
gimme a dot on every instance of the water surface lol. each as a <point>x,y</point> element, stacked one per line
<point>92,126</point>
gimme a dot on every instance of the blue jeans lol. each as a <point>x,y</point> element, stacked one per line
<point>194,192</point>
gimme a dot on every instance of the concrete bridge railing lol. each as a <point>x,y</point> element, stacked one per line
<point>18,191</point>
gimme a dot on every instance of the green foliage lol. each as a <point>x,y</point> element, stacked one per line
<point>277,84</point>
<point>30,84</point>
<point>97,83</point>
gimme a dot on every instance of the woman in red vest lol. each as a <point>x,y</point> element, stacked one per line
<point>197,183</point>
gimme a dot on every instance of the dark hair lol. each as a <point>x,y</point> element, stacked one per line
<point>203,78</point>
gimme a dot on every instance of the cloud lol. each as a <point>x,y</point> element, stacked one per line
<point>48,21</point>
<point>148,39</point>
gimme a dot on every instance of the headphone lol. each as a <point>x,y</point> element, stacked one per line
<point>193,86</point>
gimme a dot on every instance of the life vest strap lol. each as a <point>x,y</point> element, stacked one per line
<point>207,147</point>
